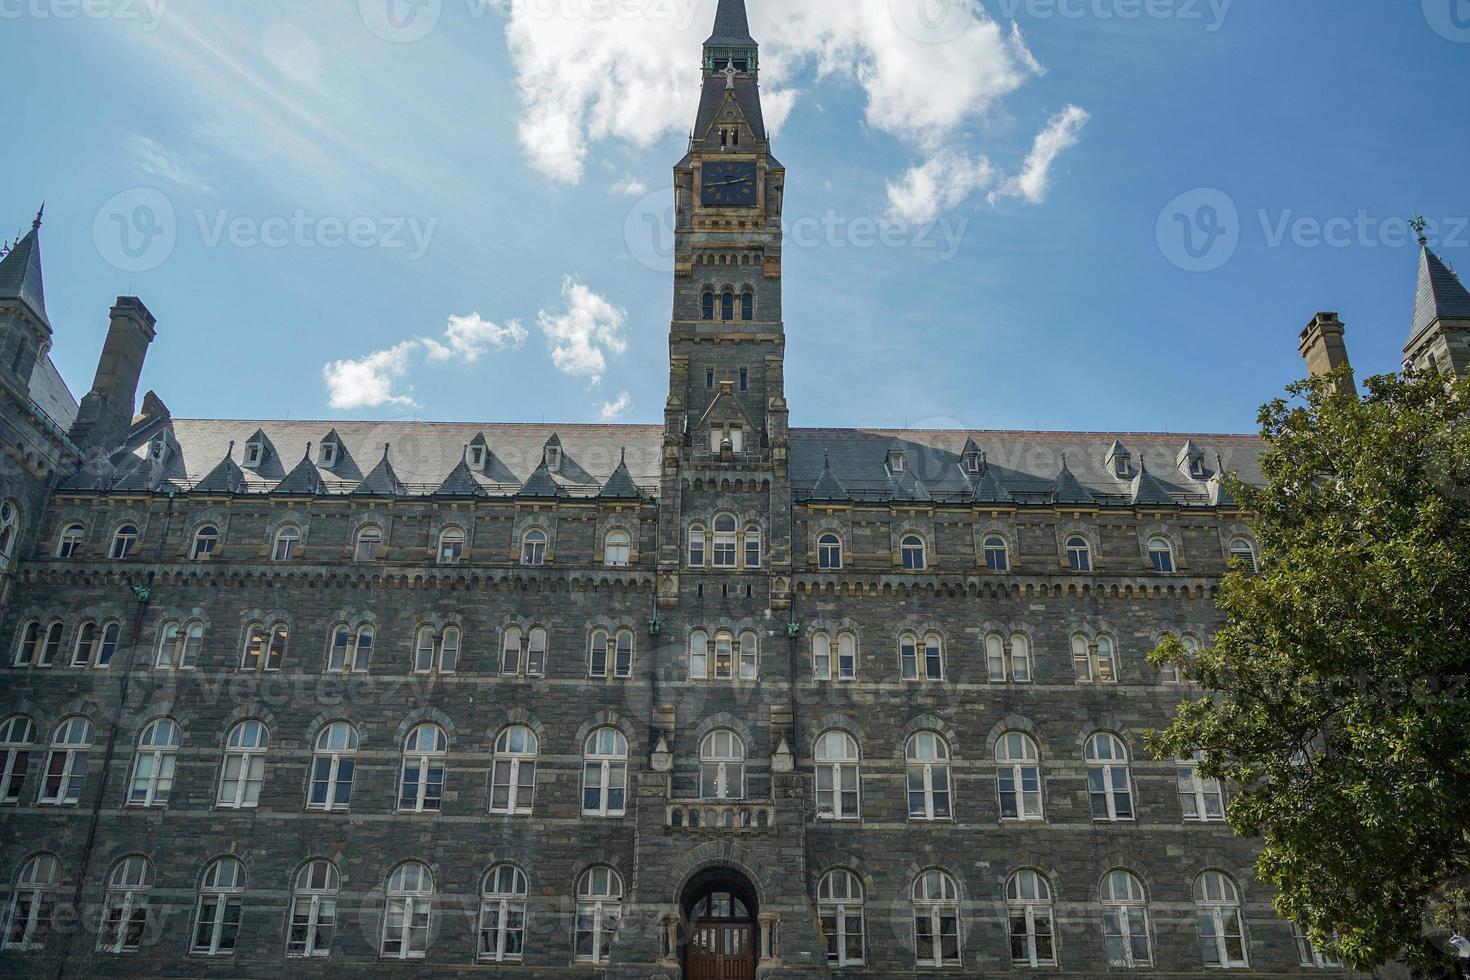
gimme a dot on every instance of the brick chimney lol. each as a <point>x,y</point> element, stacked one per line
<point>107,411</point>
<point>1324,348</point>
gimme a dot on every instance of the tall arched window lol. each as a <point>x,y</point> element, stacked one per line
<point>617,549</point>
<point>724,655</point>
<point>696,545</point>
<point>124,541</point>
<point>17,736</point>
<point>369,544</point>
<point>287,544</point>
<point>1095,663</point>
<point>69,542</point>
<point>1028,905</point>
<point>513,776</point>
<point>838,776</point>
<point>40,647</point>
<point>1125,920</point>
<point>536,652</point>
<point>753,546</point>
<point>727,305</point>
<point>724,551</point>
<point>9,527</point>
<point>623,654</point>
<point>927,756</point>
<point>1013,664</point>
<point>510,651</point>
<point>66,762</point>
<point>707,304</point>
<point>28,650</point>
<point>436,652</point>
<point>125,914</point>
<point>265,647</point>
<point>154,764</point>
<point>221,903</point>
<point>351,651</point>
<point>206,543</point>
<point>599,910</point>
<point>1221,932</point>
<point>1161,554</point>
<point>997,554</point>
<point>313,910</point>
<point>698,656</point>
<point>936,920</point>
<point>1108,785</point>
<point>533,548</point>
<point>1200,798</point>
<point>749,656</point>
<point>32,903</point>
<point>451,546</point>
<point>503,915</point>
<point>1018,777</point>
<point>722,766</point>
<point>747,305</point>
<point>1079,554</point>
<point>178,646</point>
<point>911,668</point>
<point>840,910</point>
<point>421,787</point>
<point>333,765</point>
<point>605,773</point>
<point>409,912</point>
<point>829,552</point>
<point>912,551</point>
<point>615,651</point>
<point>243,772</point>
<point>821,656</point>
<point>1243,552</point>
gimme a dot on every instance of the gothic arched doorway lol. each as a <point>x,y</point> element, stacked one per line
<point>720,911</point>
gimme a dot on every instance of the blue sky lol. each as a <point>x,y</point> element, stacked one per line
<point>1033,166</point>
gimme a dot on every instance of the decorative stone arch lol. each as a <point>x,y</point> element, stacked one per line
<point>725,721</point>
<point>927,723</point>
<point>424,715</point>
<point>834,722</point>
<point>545,520</point>
<point>993,528</point>
<point>1079,529</point>
<point>1133,862</point>
<point>608,718</point>
<point>1015,723</point>
<point>1028,859</point>
<point>1109,725</point>
<point>249,712</point>
<point>514,716</point>
<point>322,720</point>
<point>906,526</point>
<point>297,518</point>
<point>727,855</point>
<point>1159,529</point>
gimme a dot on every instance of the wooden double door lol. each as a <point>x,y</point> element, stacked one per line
<point>721,951</point>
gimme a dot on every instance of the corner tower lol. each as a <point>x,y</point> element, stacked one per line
<point>1440,336</point>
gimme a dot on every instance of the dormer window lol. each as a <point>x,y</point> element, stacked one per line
<point>972,463</point>
<point>1197,467</point>
<point>158,450</point>
<point>895,462</point>
<point>254,453</point>
<point>553,458</point>
<point>1123,466</point>
<point>477,458</point>
<point>329,454</point>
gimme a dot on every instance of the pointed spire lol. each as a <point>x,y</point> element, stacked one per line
<point>461,482</point>
<point>1440,295</point>
<point>828,487</point>
<point>227,477</point>
<point>989,489</point>
<point>20,273</point>
<point>541,486</point>
<point>304,480</point>
<point>620,485</point>
<point>1147,490</point>
<point>732,25</point>
<point>1219,496</point>
<point>1067,489</point>
<point>36,225</point>
<point>382,481</point>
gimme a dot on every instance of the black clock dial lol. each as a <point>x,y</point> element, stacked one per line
<point>728,184</point>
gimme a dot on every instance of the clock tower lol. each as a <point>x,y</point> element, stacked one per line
<point>725,423</point>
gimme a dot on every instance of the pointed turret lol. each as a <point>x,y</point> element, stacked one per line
<point>828,487</point>
<point>303,481</point>
<point>732,26</point>
<point>620,485</point>
<point>1067,489</point>
<point>989,489</point>
<point>461,482</point>
<point>227,477</point>
<point>1440,336</point>
<point>382,481</point>
<point>908,489</point>
<point>25,331</point>
<point>541,486</point>
<point>20,273</point>
<point>1148,491</point>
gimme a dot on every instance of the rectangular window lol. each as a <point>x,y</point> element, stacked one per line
<point>745,377</point>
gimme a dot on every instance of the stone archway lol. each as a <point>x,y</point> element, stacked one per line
<point>719,907</point>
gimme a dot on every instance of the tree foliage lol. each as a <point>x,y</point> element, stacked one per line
<point>1338,692</point>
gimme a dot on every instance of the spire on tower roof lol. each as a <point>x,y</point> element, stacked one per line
<point>20,272</point>
<point>1440,296</point>
<point>732,26</point>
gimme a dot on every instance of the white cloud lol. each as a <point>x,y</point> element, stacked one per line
<point>630,186</point>
<point>583,336</point>
<point>368,382</point>
<point>616,409</point>
<point>1062,132</point>
<point>939,184</point>
<point>155,162</point>
<point>467,338</point>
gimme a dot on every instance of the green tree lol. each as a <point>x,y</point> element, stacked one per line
<point>1338,692</point>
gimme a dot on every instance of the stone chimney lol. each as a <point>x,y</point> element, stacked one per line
<point>107,411</point>
<point>1324,348</point>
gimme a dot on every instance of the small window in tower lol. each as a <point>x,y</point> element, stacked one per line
<point>747,306</point>
<point>735,137</point>
<point>709,305</point>
<point>477,457</point>
<point>709,377</point>
<point>329,454</point>
<point>745,379</point>
<point>727,306</point>
<point>253,453</point>
<point>553,459</point>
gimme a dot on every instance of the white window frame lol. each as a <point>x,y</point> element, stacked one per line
<point>1196,793</point>
<point>1125,920</point>
<point>602,905</point>
<point>1079,554</point>
<point>67,763</point>
<point>155,764</point>
<point>451,546</point>
<point>423,762</point>
<point>1309,956</point>
<point>913,553</point>
<point>996,545</point>
<point>699,656</point>
<point>313,911</point>
<point>369,544</point>
<point>1243,549</point>
<point>838,757</point>
<point>178,646</point>
<point>514,769</point>
<point>337,743</point>
<point>1161,555</point>
<point>1217,905</point>
<point>124,541</point>
<point>1030,912</point>
<point>722,767</point>
<point>725,553</point>
<point>17,743</point>
<point>534,544</point>
<point>411,905</point>
<point>205,544</point>
<point>604,761</point>
<point>1109,769</point>
<point>126,907</point>
<point>71,540</point>
<point>242,770</point>
<point>751,551</point>
<point>350,651</point>
<point>935,781</point>
<point>502,905</point>
<point>698,552</point>
<point>843,910</point>
<point>1094,661</point>
<point>935,910</point>
<point>33,903</point>
<point>1017,757</point>
<point>286,542</point>
<point>617,548</point>
<point>265,648</point>
<point>226,898</point>
<point>436,651</point>
<point>829,552</point>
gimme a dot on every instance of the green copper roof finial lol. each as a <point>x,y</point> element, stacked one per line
<point>1419,225</point>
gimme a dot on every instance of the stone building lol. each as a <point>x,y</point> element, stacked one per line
<point>716,699</point>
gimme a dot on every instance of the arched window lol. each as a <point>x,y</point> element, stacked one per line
<point>124,540</point>
<point>513,777</point>
<point>287,544</point>
<point>1108,785</point>
<point>1013,664</point>
<point>503,915</point>
<point>243,772</point>
<point>221,902</point>
<point>9,527</point>
<point>623,654</point>
<point>47,645</point>
<point>154,765</point>
<point>840,909</point>
<point>698,656</point>
<point>510,651</point>
<point>749,656</point>
<point>206,542</point>
<point>821,657</point>
<point>838,776</point>
<point>1161,553</point>
<point>1125,920</point>
<point>927,755</point>
<point>409,912</point>
<point>451,546</point>
<point>747,305</point>
<point>1313,956</point>
<point>66,762</point>
<point>829,552</point>
<point>1221,932</point>
<point>125,915</point>
<point>178,646</point>
<point>533,548</point>
<point>69,543</point>
<point>1028,905</point>
<point>265,648</point>
<point>597,654</point>
<point>1018,777</point>
<point>997,554</point>
<point>351,652</point>
<point>617,550</point>
<point>28,650</point>
<point>1200,798</point>
<point>727,305</point>
<point>1095,663</point>
<point>1243,552</point>
<point>605,773</point>
<point>421,786</point>
<point>313,910</point>
<point>753,546</point>
<point>722,766</point>
<point>536,652</point>
<point>696,546</point>
<point>912,550</point>
<point>436,652</point>
<point>1079,554</point>
<point>110,634</point>
<point>86,645</point>
<point>599,910</point>
<point>936,920</point>
<point>32,902</point>
<point>909,652</point>
<point>17,735</point>
<point>724,655</point>
<point>707,304</point>
<point>333,765</point>
<point>369,543</point>
<point>724,541</point>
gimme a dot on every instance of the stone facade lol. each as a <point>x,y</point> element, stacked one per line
<point>878,590</point>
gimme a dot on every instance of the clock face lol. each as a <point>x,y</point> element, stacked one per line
<point>728,184</point>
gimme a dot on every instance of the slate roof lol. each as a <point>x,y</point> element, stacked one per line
<point>20,274</point>
<point>732,26</point>
<point>747,97</point>
<point>1440,295</point>
<point>620,485</point>
<point>51,395</point>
